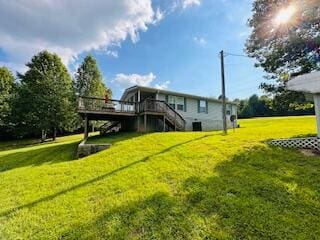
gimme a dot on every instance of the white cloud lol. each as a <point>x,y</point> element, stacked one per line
<point>190,3</point>
<point>159,15</point>
<point>200,40</point>
<point>113,53</point>
<point>70,27</point>
<point>184,4</point>
<point>164,85</point>
<point>125,81</point>
<point>129,80</point>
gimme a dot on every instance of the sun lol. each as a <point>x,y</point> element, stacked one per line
<point>285,15</point>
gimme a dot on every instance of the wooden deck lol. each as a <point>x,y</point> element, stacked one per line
<point>99,109</point>
<point>91,108</point>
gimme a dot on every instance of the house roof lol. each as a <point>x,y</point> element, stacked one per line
<point>308,83</point>
<point>169,92</point>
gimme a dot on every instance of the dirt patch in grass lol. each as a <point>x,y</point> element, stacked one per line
<point>310,152</point>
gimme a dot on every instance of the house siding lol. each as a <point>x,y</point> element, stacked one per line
<point>161,97</point>
<point>131,94</point>
<point>212,120</point>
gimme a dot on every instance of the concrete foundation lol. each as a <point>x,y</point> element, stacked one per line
<point>85,149</point>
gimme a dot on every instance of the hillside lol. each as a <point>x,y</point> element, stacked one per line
<point>191,185</point>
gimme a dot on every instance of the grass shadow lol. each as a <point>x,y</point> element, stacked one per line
<point>15,144</point>
<point>305,135</point>
<point>146,219</point>
<point>96,179</point>
<point>262,193</point>
<point>49,154</point>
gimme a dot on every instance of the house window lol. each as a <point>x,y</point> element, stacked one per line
<point>177,102</point>
<point>202,106</point>
<point>180,103</point>
<point>228,110</point>
<point>172,101</point>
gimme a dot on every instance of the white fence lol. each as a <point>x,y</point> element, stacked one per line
<point>300,143</point>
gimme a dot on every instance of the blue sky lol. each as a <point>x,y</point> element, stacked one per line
<point>178,49</point>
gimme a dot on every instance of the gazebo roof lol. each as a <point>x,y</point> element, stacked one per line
<point>308,83</point>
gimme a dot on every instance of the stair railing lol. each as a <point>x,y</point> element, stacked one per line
<point>151,105</point>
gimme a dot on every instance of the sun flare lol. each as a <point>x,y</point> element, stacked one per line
<point>285,15</point>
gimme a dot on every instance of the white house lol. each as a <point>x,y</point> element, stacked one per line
<point>199,113</point>
<point>146,109</point>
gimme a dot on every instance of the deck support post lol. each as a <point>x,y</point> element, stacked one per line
<point>317,110</point>
<point>145,122</point>
<point>138,123</point>
<point>86,123</point>
<point>164,123</point>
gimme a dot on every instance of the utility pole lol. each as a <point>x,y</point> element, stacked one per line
<point>224,115</point>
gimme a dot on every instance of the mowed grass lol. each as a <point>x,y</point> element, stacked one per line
<point>181,185</point>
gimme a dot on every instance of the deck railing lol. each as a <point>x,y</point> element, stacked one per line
<point>91,104</point>
<point>101,105</point>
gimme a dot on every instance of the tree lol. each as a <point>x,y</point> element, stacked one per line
<point>292,47</point>
<point>285,49</point>
<point>276,106</point>
<point>89,79</point>
<point>6,91</point>
<point>46,100</point>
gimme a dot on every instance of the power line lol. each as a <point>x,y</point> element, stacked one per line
<point>235,55</point>
<point>244,89</point>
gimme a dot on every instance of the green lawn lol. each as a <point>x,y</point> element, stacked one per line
<point>164,186</point>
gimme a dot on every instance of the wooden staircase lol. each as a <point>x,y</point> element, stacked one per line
<point>111,126</point>
<point>164,111</point>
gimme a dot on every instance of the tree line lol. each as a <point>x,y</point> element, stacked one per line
<point>265,106</point>
<point>43,101</point>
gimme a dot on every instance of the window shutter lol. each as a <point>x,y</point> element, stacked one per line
<point>185,104</point>
<point>198,106</point>
<point>206,106</point>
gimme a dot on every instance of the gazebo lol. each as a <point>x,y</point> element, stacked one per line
<point>310,85</point>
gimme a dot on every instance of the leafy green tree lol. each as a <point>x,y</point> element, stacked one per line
<point>89,82</point>
<point>6,91</point>
<point>89,79</point>
<point>288,48</point>
<point>278,105</point>
<point>46,98</point>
